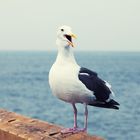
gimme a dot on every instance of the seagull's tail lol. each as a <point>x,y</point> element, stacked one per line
<point>112,104</point>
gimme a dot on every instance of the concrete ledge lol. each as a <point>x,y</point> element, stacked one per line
<point>17,127</point>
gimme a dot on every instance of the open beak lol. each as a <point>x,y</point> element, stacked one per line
<point>69,38</point>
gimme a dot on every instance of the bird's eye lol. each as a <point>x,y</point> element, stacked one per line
<point>62,30</point>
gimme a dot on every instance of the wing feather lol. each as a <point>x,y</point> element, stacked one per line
<point>91,80</point>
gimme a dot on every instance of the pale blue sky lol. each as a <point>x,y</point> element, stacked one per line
<point>99,24</point>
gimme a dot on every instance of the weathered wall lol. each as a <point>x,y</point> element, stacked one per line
<point>18,127</point>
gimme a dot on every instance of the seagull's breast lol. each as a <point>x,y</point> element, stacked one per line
<point>65,85</point>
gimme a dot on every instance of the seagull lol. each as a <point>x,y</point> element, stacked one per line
<point>75,84</point>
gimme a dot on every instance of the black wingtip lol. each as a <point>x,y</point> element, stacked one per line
<point>115,107</point>
<point>108,105</point>
<point>113,102</point>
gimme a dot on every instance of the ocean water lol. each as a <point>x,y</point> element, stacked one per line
<point>24,89</point>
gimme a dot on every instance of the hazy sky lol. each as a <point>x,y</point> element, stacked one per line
<point>99,24</point>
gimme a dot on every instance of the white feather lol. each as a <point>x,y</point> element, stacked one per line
<point>109,86</point>
<point>84,74</point>
<point>63,76</point>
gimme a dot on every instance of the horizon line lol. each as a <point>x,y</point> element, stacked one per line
<point>53,50</point>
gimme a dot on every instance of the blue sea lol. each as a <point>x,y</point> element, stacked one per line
<point>24,89</point>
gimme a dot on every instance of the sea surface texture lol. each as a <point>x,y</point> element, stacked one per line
<point>24,89</point>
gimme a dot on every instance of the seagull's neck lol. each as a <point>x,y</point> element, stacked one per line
<point>65,55</point>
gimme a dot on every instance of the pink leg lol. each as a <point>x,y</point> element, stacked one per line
<point>86,117</point>
<point>75,129</point>
<point>85,122</point>
<point>75,116</point>
<point>71,130</point>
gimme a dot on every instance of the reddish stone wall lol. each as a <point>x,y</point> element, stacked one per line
<point>17,127</point>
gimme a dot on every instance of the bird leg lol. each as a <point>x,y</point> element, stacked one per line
<point>86,117</point>
<point>75,129</point>
<point>75,116</point>
<point>85,121</point>
<point>72,130</point>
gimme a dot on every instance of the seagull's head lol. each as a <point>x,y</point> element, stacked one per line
<point>64,36</point>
